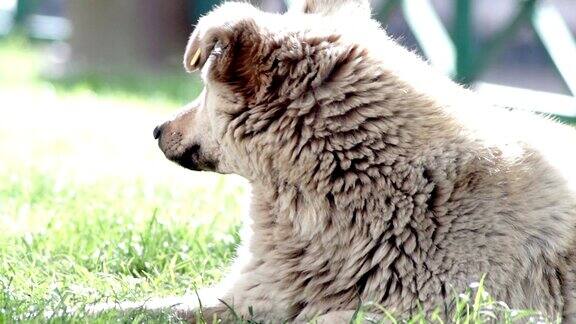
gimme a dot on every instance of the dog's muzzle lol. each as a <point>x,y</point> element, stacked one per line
<point>188,156</point>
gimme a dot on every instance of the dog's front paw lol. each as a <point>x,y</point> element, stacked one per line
<point>170,304</point>
<point>186,308</point>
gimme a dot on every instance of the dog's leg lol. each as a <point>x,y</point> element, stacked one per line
<point>206,304</point>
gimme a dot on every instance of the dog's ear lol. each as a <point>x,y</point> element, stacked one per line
<point>223,35</point>
<point>216,41</point>
<point>230,44</point>
<point>195,56</point>
<point>332,7</point>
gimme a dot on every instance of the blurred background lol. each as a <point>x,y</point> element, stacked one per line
<point>90,209</point>
<point>527,44</point>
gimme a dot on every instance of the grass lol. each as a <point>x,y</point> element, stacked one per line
<point>91,211</point>
<point>71,244</point>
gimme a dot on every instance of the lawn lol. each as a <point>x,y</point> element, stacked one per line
<point>91,211</point>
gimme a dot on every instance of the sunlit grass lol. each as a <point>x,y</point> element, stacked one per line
<point>113,239</point>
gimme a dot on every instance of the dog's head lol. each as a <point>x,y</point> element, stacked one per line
<point>266,78</point>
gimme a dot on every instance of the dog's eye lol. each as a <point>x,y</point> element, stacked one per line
<point>217,50</point>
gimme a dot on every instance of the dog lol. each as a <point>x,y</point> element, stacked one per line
<point>374,177</point>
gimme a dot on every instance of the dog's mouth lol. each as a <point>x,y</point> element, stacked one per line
<point>193,159</point>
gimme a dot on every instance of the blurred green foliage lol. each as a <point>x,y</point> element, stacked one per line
<point>25,64</point>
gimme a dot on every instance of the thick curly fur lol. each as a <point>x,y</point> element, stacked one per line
<point>374,177</point>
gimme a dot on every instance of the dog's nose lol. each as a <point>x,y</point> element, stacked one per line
<point>157,131</point>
